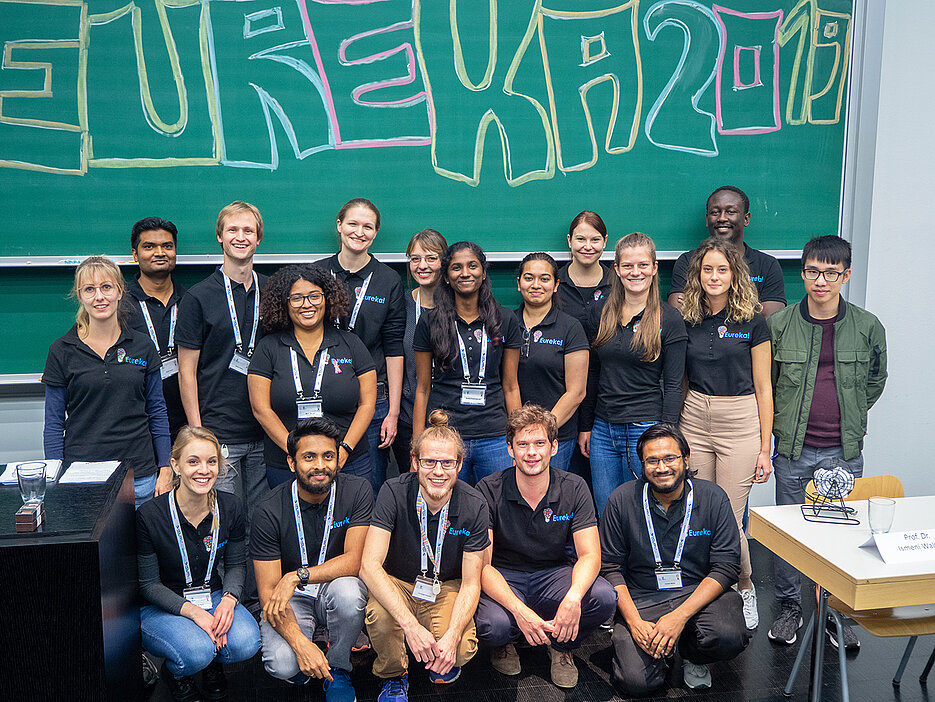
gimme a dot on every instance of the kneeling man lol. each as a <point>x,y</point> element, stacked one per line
<point>671,549</point>
<point>307,539</point>
<point>542,579</point>
<point>422,563</point>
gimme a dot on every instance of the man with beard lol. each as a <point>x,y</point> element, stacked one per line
<point>671,548</point>
<point>542,580</point>
<point>306,543</point>
<point>422,563</point>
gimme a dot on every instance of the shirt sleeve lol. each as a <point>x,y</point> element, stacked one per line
<point>53,432</point>
<point>363,505</point>
<point>384,510</point>
<point>679,273</point>
<point>759,331</point>
<point>512,334</point>
<point>483,487</point>
<point>586,409</point>
<point>773,288</point>
<point>235,557</point>
<point>877,375</point>
<point>264,535</point>
<point>151,587</point>
<point>394,325</point>
<point>158,418</point>
<point>674,346</point>
<point>724,558</point>
<point>54,373</point>
<point>585,515</point>
<point>190,324</point>
<point>422,339</point>
<point>614,550</point>
<point>575,338</point>
<point>479,538</point>
<point>263,359</point>
<point>363,361</point>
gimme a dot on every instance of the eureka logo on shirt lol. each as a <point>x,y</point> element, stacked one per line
<point>539,339</point>
<point>724,334</point>
<point>699,532</point>
<point>756,279</point>
<point>374,298</point>
<point>458,532</point>
<point>343,523</point>
<point>123,358</point>
<point>550,516</point>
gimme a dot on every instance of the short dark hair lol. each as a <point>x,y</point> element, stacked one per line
<point>663,430</point>
<point>319,426</point>
<point>730,189</point>
<point>151,224</point>
<point>828,249</point>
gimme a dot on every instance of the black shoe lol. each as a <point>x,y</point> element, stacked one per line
<point>182,689</point>
<point>851,642</point>
<point>786,625</point>
<point>150,673</point>
<point>214,682</point>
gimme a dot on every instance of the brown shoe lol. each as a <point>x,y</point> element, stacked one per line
<point>505,659</point>
<point>564,671</point>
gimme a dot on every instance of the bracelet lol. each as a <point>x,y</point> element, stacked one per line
<point>346,448</point>
<point>231,595</point>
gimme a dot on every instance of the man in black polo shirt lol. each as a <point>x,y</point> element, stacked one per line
<point>308,578</point>
<point>422,563</point>
<point>671,548</point>
<point>153,298</point>
<point>727,213</point>
<point>542,582</point>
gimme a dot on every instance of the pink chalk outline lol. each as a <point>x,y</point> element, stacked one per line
<point>410,77</point>
<point>757,81</point>
<point>777,125</point>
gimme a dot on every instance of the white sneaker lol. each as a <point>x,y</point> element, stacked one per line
<point>750,614</point>
<point>696,676</point>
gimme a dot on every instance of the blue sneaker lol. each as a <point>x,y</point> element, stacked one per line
<point>339,688</point>
<point>447,678</point>
<point>395,689</point>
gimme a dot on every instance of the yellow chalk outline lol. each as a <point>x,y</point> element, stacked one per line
<point>839,62</point>
<point>460,67</point>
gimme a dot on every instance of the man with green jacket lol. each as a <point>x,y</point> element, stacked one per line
<point>829,367</point>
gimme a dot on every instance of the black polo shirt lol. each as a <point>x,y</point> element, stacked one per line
<point>577,301</point>
<point>382,318</point>
<point>623,388</point>
<point>409,362</point>
<point>273,536</point>
<point>395,511</point>
<point>765,274</point>
<point>162,316</point>
<point>712,548</point>
<point>155,534</point>
<point>542,362</point>
<point>527,539</point>
<point>204,324</point>
<point>105,411</point>
<point>472,421</point>
<point>718,360</point>
<point>340,387</point>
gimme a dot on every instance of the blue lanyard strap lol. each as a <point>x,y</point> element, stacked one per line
<point>300,528</point>
<point>482,368</point>
<point>173,316</point>
<point>319,374</point>
<point>238,339</point>
<point>689,502</point>
<point>183,551</point>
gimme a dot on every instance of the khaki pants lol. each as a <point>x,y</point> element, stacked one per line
<point>389,641</point>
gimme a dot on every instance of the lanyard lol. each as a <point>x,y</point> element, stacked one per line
<point>682,535</point>
<point>300,528</point>
<point>426,547</point>
<point>482,369</point>
<point>418,305</point>
<point>322,362</point>
<point>183,551</point>
<point>173,315</point>
<point>360,300</point>
<point>238,340</point>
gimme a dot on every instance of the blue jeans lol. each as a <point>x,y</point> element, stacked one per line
<point>144,488</point>
<point>378,456</point>
<point>791,478</point>
<point>483,457</point>
<point>187,648</point>
<point>614,460</point>
<point>562,459</point>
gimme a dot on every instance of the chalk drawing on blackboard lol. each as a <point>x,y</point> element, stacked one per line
<point>593,49</point>
<point>252,22</point>
<point>754,60</point>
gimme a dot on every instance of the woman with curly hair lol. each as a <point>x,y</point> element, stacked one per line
<point>305,367</point>
<point>728,414</point>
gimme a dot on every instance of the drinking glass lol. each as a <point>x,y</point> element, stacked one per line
<point>31,478</point>
<point>881,511</point>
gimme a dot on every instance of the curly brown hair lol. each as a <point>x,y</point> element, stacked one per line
<point>274,303</point>
<point>742,301</point>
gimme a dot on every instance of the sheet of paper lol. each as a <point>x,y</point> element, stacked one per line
<point>81,472</point>
<point>904,546</point>
<point>52,469</point>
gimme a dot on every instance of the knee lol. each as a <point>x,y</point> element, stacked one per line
<point>380,623</point>
<point>635,681</point>
<point>468,645</point>
<point>493,623</point>
<point>243,639</point>
<point>279,660</point>
<point>197,656</point>
<point>347,597</point>
<point>603,600</point>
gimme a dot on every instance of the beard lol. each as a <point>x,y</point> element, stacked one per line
<point>316,488</point>
<point>435,493</point>
<point>667,489</point>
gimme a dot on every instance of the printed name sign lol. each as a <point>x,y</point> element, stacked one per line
<point>905,546</point>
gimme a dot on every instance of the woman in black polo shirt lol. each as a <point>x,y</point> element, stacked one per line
<point>553,361</point>
<point>103,389</point>
<point>306,367</point>
<point>474,343</point>
<point>186,538</point>
<point>585,281</point>
<point>636,370</point>
<point>728,413</point>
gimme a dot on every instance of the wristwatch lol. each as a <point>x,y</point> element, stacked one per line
<point>346,448</point>
<point>302,572</point>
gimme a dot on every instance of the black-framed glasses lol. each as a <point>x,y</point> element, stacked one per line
<point>814,273</point>
<point>298,300</point>
<point>668,461</point>
<point>446,463</point>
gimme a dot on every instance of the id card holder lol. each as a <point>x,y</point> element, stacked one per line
<point>424,589</point>
<point>170,366</point>
<point>311,590</point>
<point>669,578</point>
<point>198,596</point>
<point>240,363</point>
<point>473,394</point>
<point>308,409</point>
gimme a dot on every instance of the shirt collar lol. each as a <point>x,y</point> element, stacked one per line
<point>134,288</point>
<point>328,339</point>
<point>453,502</point>
<point>550,317</point>
<point>362,273</point>
<point>511,489</point>
<point>676,508</point>
<point>71,337</point>
<point>565,279</point>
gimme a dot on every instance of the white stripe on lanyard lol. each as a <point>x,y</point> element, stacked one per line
<point>300,528</point>
<point>482,368</point>
<point>682,535</point>
<point>183,551</point>
<point>173,316</point>
<point>360,300</point>
<point>418,305</point>
<point>426,554</point>
<point>238,339</point>
<point>322,363</point>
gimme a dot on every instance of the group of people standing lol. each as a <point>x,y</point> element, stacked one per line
<point>341,364</point>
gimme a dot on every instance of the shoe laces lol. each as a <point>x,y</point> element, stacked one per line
<point>395,686</point>
<point>565,658</point>
<point>502,651</point>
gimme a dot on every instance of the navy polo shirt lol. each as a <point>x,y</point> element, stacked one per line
<point>765,274</point>
<point>542,362</point>
<point>382,318</point>
<point>105,410</point>
<point>472,422</point>
<point>528,539</point>
<point>578,301</point>
<point>162,316</point>
<point>718,360</point>
<point>273,536</point>
<point>340,387</point>
<point>395,511</point>
<point>204,324</point>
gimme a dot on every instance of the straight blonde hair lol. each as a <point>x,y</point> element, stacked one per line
<point>101,268</point>
<point>186,435</point>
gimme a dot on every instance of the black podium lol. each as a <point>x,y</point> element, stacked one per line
<point>70,625</point>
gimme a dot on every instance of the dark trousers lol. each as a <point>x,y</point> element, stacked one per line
<point>716,633</point>
<point>543,591</point>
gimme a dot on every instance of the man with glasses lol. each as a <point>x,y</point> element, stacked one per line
<point>829,367</point>
<point>671,549</point>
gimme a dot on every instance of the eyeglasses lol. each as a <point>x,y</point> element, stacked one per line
<point>527,339</point>
<point>830,276</point>
<point>415,259</point>
<point>314,298</point>
<point>446,463</point>
<point>668,461</point>
<point>90,290</point>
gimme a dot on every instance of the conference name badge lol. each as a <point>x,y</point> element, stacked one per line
<point>311,590</point>
<point>668,578</point>
<point>473,394</point>
<point>240,363</point>
<point>308,409</point>
<point>170,366</point>
<point>198,596</point>
<point>426,590</point>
